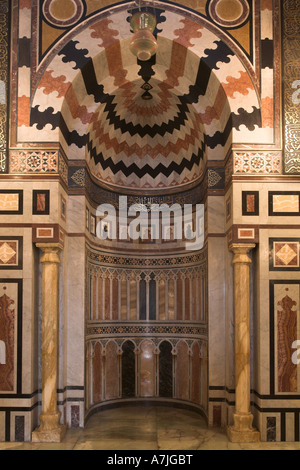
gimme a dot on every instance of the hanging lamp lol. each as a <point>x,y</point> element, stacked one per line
<point>143,44</point>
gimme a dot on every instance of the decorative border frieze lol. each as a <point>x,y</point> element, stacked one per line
<point>257,163</point>
<point>106,259</point>
<point>33,162</point>
<point>138,329</point>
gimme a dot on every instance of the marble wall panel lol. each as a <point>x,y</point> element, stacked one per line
<point>11,202</point>
<point>179,297</point>
<point>284,203</point>
<point>165,370</point>
<point>98,373</point>
<point>2,426</point>
<point>162,299</point>
<point>75,305</point>
<point>147,369</point>
<point>286,299</point>
<point>216,317</point>
<point>115,298</point>
<point>107,299</point>
<point>284,331</point>
<point>10,341</point>
<point>196,374</point>
<point>128,370</point>
<point>171,299</point>
<point>271,429</point>
<point>112,387</point>
<point>182,372</point>
<point>187,308</point>
<point>124,299</point>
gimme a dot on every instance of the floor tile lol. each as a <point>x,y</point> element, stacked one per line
<point>147,428</point>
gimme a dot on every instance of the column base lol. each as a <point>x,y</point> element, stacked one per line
<point>49,435</point>
<point>237,436</point>
<point>242,430</point>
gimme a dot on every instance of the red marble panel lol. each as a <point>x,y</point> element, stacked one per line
<point>251,202</point>
<point>115,299</point>
<point>107,299</point>
<point>287,334</point>
<point>182,372</point>
<point>111,372</point>
<point>100,298</point>
<point>171,299</point>
<point>124,299</point>
<point>196,375</point>
<point>98,372</point>
<point>187,300</point>
<point>7,346</point>
<point>94,299</point>
<point>179,299</point>
<point>147,369</point>
<point>162,300</point>
<point>195,288</point>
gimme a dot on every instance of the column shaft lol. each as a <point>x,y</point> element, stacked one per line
<point>50,429</point>
<point>242,430</point>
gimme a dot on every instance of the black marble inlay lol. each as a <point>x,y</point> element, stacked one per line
<point>271,429</point>
<point>267,53</point>
<point>128,370</point>
<point>24,52</point>
<point>166,370</point>
<point>20,428</point>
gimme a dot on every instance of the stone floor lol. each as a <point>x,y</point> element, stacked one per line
<point>147,428</point>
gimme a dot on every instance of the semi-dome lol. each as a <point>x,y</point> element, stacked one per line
<point>146,136</point>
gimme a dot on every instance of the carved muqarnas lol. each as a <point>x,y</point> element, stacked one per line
<point>7,321</point>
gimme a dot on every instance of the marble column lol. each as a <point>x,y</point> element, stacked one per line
<point>50,429</point>
<point>242,430</point>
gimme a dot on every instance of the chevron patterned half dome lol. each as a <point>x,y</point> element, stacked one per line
<point>150,143</point>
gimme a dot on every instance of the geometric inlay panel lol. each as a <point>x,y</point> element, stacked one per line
<point>11,253</point>
<point>284,254</point>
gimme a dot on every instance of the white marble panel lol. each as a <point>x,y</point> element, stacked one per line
<point>216,315</point>
<point>75,311</point>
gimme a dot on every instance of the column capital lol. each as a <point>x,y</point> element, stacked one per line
<point>50,252</point>
<point>241,252</point>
